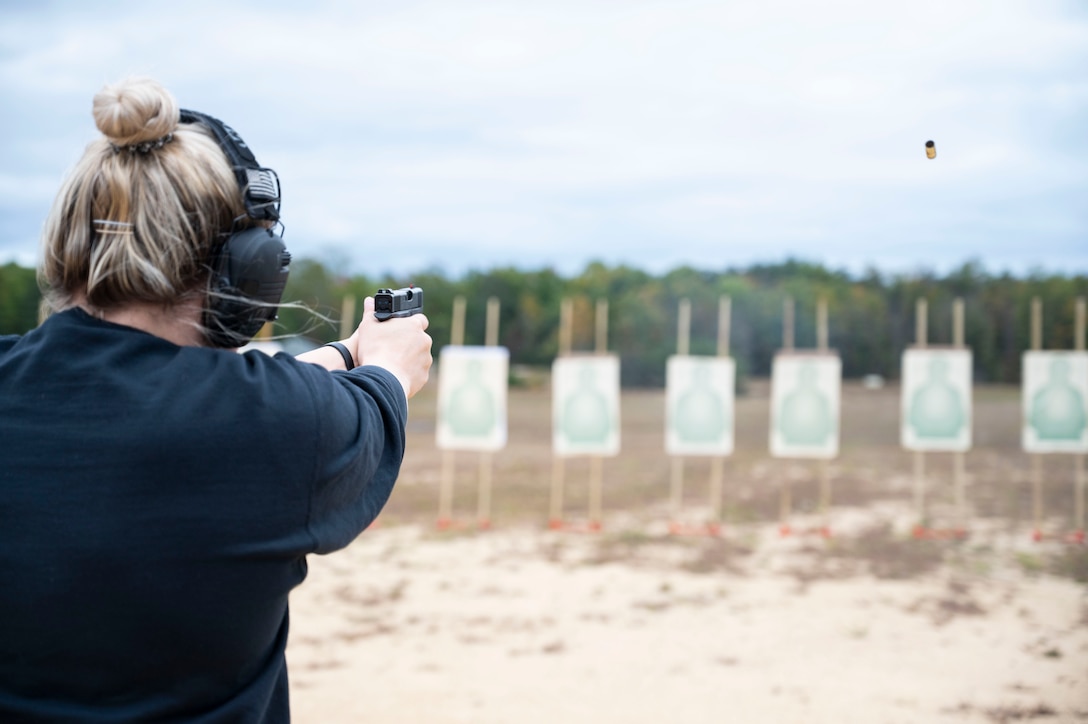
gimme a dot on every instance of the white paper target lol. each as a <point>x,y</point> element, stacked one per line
<point>699,405</point>
<point>1055,402</point>
<point>936,400</point>
<point>586,405</point>
<point>472,391</point>
<point>805,404</point>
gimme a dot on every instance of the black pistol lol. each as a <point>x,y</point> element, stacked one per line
<point>405,302</point>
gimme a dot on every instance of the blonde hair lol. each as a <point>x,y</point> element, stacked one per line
<point>138,217</point>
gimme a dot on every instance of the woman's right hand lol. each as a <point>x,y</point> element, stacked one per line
<point>400,345</point>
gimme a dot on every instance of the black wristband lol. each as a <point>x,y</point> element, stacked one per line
<point>349,361</point>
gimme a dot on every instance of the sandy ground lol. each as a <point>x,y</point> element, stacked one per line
<point>632,624</point>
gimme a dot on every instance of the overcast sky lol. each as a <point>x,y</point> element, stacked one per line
<point>465,134</point>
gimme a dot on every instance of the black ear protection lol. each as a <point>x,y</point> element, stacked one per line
<point>249,267</point>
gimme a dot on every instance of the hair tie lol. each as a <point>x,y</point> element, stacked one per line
<point>349,360</point>
<point>145,147</point>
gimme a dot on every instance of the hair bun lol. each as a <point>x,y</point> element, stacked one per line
<point>136,110</point>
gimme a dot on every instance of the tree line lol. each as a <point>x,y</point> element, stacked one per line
<point>871,316</point>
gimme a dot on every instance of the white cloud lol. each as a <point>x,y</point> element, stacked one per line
<point>637,129</point>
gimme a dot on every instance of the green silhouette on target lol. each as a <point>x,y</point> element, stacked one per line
<point>471,409</point>
<point>805,415</point>
<point>699,414</point>
<point>936,410</point>
<point>585,411</point>
<point>1057,410</point>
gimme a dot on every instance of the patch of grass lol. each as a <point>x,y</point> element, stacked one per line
<point>955,601</point>
<point>1071,563</point>
<point>1030,563</point>
<point>889,556</point>
<point>1016,712</point>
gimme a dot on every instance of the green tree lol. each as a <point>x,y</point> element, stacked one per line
<point>19,299</point>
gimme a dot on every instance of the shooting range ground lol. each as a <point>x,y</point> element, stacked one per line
<point>520,623</point>
<point>871,469</point>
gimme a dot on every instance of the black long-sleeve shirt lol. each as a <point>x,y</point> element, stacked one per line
<point>157,504</point>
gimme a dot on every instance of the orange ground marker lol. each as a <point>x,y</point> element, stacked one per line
<point>1075,537</point>
<point>593,526</point>
<point>920,532</point>
<point>711,529</point>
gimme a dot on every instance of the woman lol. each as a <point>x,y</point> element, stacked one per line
<point>159,494</point>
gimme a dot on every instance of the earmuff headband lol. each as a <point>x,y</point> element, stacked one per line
<point>260,186</point>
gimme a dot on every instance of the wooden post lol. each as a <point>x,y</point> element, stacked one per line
<point>491,338</point>
<point>921,317</point>
<point>822,336</point>
<point>566,332</point>
<point>787,323</point>
<point>347,316</point>
<point>683,328</point>
<point>1037,494</point>
<point>822,332</point>
<point>566,326</point>
<point>1036,459</point>
<point>596,480</point>
<point>683,347</point>
<point>602,326</point>
<point>596,462</point>
<point>446,482</point>
<point>717,463</point>
<point>725,312</point>
<point>1078,460</point>
<point>1036,323</point>
<point>785,502</point>
<point>676,487</point>
<point>959,337</point>
<point>457,324</point>
<point>784,506</point>
<point>445,491</point>
<point>555,515</point>
<point>1078,501</point>
<point>959,458</point>
<point>1078,325</point>
<point>483,500</point>
<point>824,471</point>
<point>919,486</point>
<point>717,475</point>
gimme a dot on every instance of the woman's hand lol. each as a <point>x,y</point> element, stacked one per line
<point>400,345</point>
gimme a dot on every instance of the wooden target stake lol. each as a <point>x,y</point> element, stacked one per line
<point>823,471</point>
<point>712,525</point>
<point>596,476</point>
<point>487,467</point>
<point>445,491</point>
<point>921,318</point>
<point>683,347</point>
<point>785,501</point>
<point>1036,459</point>
<point>822,334</point>
<point>717,463</point>
<point>1078,533</point>
<point>347,316</point>
<point>959,474</point>
<point>486,460</point>
<point>959,457</point>
<point>1078,459</point>
<point>566,329</point>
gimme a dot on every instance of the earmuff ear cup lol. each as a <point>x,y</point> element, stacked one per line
<point>249,275</point>
<point>249,271</point>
